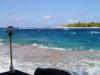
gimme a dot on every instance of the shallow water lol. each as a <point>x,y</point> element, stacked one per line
<point>28,58</point>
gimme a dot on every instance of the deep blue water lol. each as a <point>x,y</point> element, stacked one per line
<point>71,39</point>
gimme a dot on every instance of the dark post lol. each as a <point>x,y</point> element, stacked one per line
<point>10,31</point>
<point>12,71</point>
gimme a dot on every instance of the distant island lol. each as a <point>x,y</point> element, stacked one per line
<point>79,24</point>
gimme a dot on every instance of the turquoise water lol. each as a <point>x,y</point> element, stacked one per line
<point>63,39</point>
<point>70,39</point>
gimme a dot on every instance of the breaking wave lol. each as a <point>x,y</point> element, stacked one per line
<point>45,47</point>
<point>95,32</point>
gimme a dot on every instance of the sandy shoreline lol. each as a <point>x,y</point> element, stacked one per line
<point>31,57</point>
<point>35,53</point>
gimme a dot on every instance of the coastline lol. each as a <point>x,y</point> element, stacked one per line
<point>28,58</point>
<point>78,27</point>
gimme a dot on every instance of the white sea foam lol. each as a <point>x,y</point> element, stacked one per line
<point>62,49</point>
<point>42,46</point>
<point>1,44</point>
<point>1,40</point>
<point>91,50</point>
<point>4,64</point>
<point>58,48</point>
<point>35,44</point>
<point>77,66</point>
<point>45,47</point>
<point>95,32</point>
<point>84,67</point>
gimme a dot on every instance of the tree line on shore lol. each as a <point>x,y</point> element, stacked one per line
<point>79,24</point>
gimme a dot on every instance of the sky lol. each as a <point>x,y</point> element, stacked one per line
<point>47,13</point>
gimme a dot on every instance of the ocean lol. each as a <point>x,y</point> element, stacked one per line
<point>63,39</point>
<point>76,50</point>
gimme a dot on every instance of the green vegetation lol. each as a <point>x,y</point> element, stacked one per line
<point>91,24</point>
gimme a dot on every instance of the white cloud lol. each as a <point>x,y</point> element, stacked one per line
<point>47,17</point>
